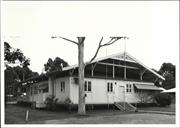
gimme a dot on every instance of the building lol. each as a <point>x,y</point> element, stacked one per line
<point>108,80</point>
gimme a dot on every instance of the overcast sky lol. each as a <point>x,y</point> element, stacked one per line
<point>151,26</point>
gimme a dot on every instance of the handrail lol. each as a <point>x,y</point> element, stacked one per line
<point>124,98</point>
<point>117,97</point>
<point>125,103</point>
<point>131,104</point>
<point>119,106</point>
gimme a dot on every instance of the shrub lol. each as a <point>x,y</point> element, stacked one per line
<point>68,103</point>
<point>163,99</point>
<point>144,104</point>
<point>51,102</point>
<point>24,103</point>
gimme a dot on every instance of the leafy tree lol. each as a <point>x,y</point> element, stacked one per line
<point>163,99</point>
<point>167,68</point>
<point>168,71</point>
<point>10,76</point>
<point>11,56</point>
<point>55,65</point>
<point>51,103</point>
<point>16,67</point>
<point>24,73</point>
<point>169,82</point>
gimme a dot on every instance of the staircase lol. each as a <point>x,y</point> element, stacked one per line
<point>125,106</point>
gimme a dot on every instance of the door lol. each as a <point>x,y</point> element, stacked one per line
<point>40,96</point>
<point>119,94</point>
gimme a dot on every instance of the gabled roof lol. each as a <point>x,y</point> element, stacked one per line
<point>97,60</point>
<point>119,56</point>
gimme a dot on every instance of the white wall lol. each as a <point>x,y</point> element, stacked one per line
<point>41,97</point>
<point>99,94</point>
<point>62,96</point>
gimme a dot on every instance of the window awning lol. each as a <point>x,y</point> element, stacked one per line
<point>147,87</point>
<point>43,85</point>
<point>172,90</point>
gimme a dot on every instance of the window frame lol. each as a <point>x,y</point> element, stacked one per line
<point>62,87</point>
<point>31,91</point>
<point>87,86</point>
<point>110,87</point>
<point>45,90</point>
<point>129,88</point>
<point>35,90</point>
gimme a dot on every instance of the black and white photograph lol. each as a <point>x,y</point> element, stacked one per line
<point>90,64</point>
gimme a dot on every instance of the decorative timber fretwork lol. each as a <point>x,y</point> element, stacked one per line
<point>71,72</point>
<point>156,79</point>
<point>142,73</point>
<point>92,70</point>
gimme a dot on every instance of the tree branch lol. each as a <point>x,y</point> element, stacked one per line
<point>53,37</point>
<point>112,41</point>
<point>97,50</point>
<point>109,43</point>
<point>68,40</point>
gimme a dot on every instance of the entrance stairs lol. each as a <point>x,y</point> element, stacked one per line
<point>125,106</point>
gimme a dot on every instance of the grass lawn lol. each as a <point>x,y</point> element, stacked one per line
<point>170,108</point>
<point>138,118</point>
<point>16,115</point>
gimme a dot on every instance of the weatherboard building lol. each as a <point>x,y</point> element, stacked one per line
<point>118,78</point>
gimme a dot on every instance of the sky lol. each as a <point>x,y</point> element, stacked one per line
<point>152,28</point>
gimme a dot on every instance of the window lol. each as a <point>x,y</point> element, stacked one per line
<point>109,87</point>
<point>31,90</point>
<point>87,86</point>
<point>40,91</point>
<point>62,86</point>
<point>128,88</point>
<point>45,89</point>
<point>35,90</point>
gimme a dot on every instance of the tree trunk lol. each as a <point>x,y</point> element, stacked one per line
<point>81,105</point>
